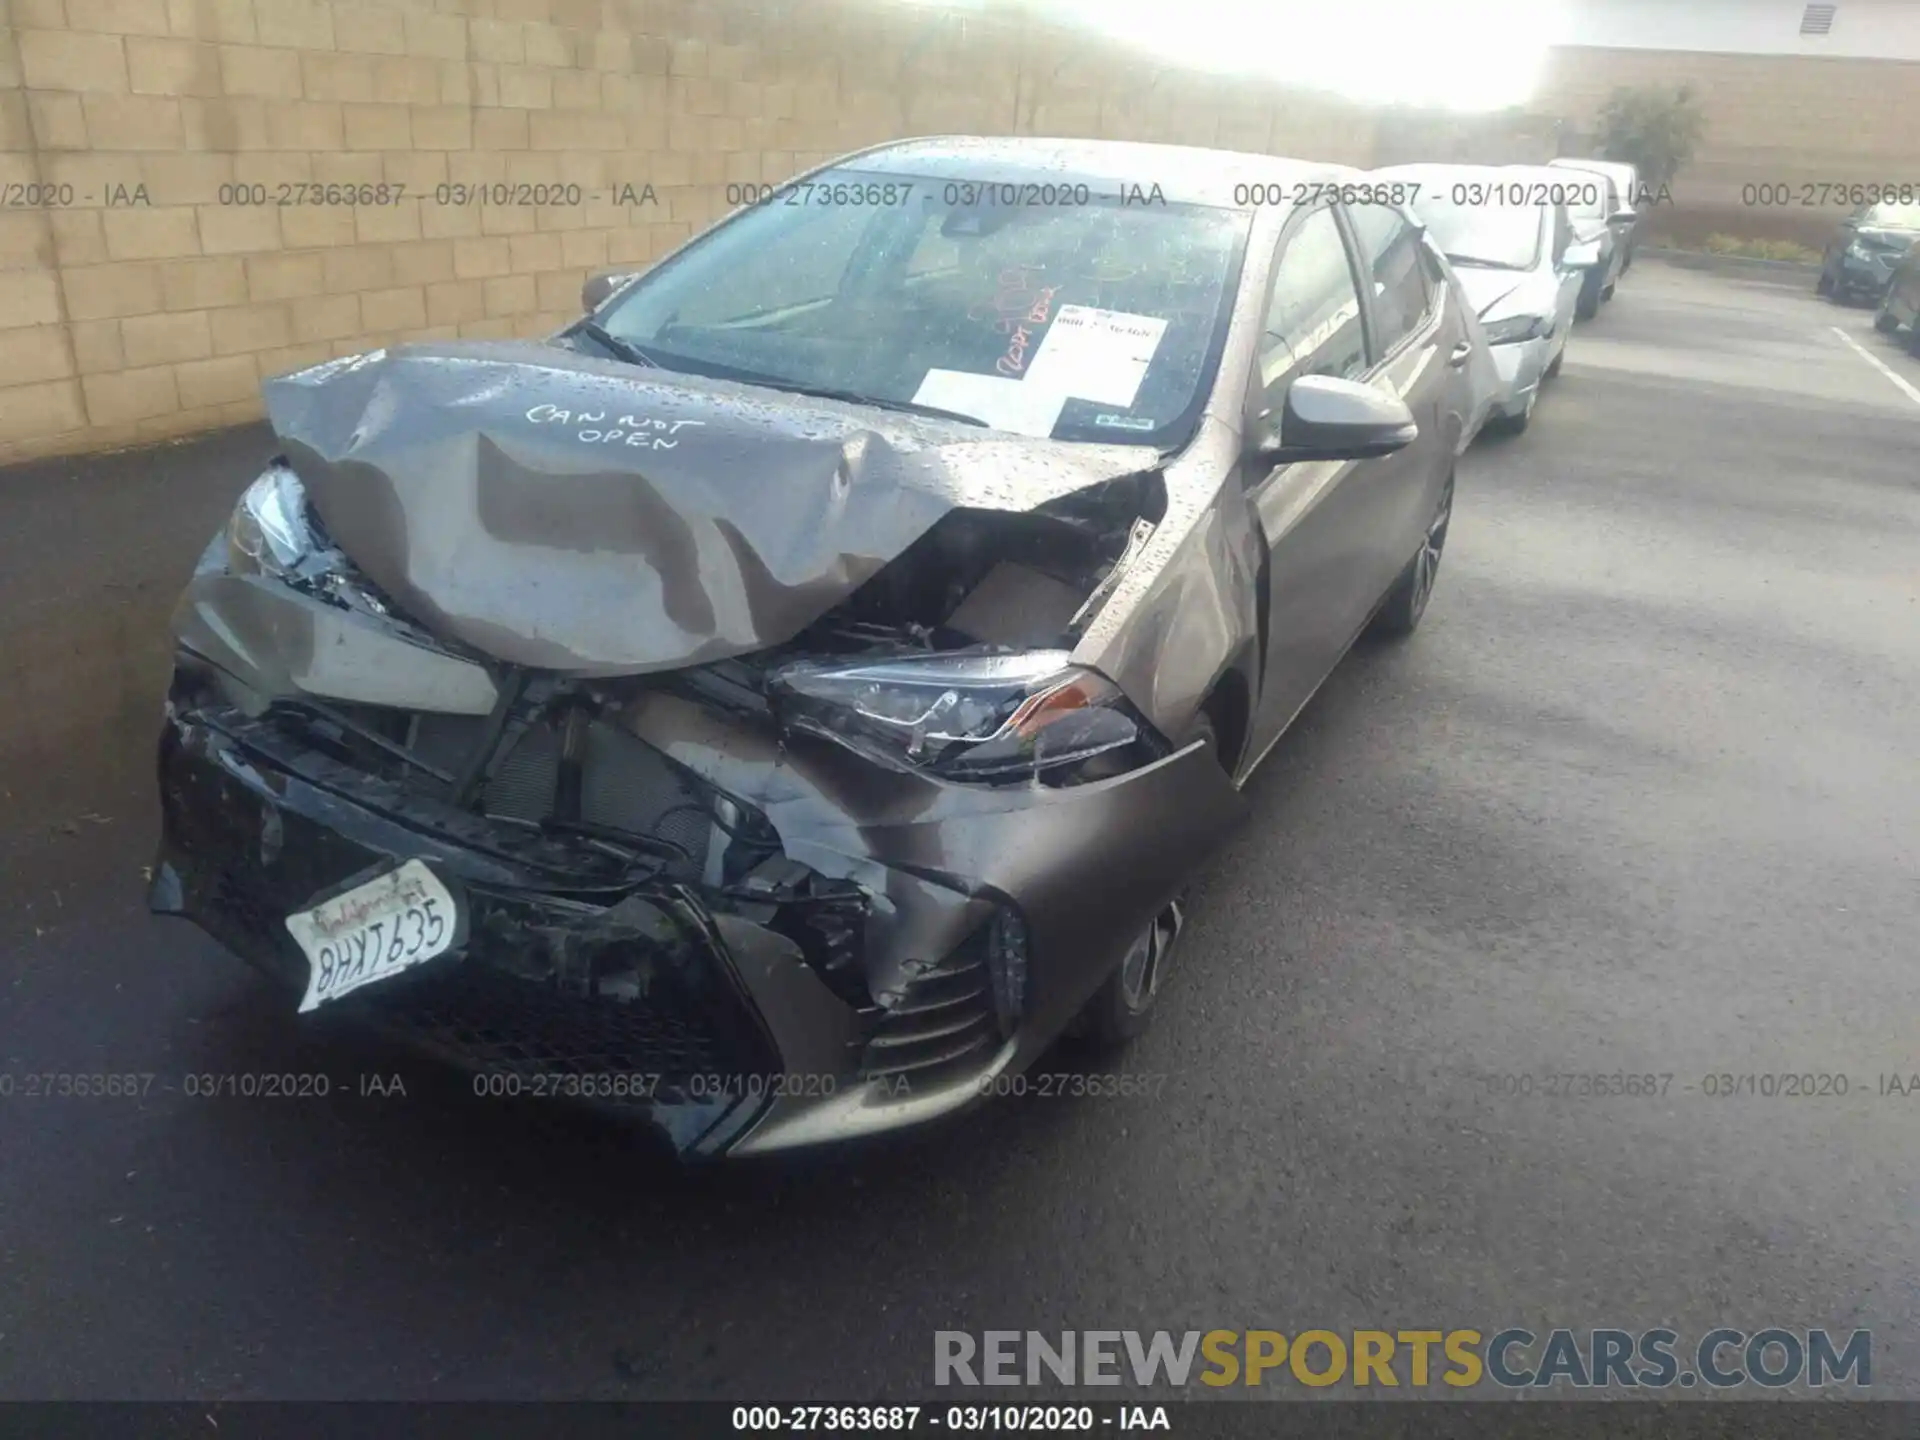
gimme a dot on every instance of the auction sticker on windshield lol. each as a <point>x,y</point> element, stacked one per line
<point>1099,355</point>
<point>374,931</point>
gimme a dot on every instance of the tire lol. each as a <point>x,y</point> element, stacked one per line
<point>1884,322</point>
<point>1406,603</point>
<point>1588,305</point>
<point>1515,424</point>
<point>1123,1005</point>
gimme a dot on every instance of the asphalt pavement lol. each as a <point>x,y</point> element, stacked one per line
<point>1642,797</point>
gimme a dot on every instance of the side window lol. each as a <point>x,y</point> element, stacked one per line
<point>1313,324</point>
<point>1390,257</point>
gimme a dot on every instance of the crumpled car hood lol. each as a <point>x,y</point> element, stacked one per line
<point>567,513</point>
<point>1486,288</point>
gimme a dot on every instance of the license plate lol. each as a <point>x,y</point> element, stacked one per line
<point>374,931</point>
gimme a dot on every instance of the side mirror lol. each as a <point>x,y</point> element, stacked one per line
<point>1582,255</point>
<point>594,293</point>
<point>1326,418</point>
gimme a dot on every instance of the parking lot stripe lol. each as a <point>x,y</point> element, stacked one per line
<point>1878,364</point>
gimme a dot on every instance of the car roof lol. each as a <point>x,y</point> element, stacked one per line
<point>1489,174</point>
<point>1623,174</point>
<point>1472,170</point>
<point>1463,167</point>
<point>1186,174</point>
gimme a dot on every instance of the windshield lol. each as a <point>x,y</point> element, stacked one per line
<point>1893,216</point>
<point>1501,235</point>
<point>1045,309</point>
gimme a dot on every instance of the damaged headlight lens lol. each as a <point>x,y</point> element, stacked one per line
<point>965,716</point>
<point>1515,328</point>
<point>269,533</point>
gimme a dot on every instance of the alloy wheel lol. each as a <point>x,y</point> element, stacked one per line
<point>1426,565</point>
<point>1146,963</point>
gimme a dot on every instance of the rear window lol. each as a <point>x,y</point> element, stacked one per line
<point>1893,216</point>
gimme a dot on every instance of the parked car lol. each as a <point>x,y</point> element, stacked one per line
<point>782,703</point>
<point>1506,234</point>
<point>1859,259</point>
<point>1626,183</point>
<point>1900,305</point>
<point>1480,374</point>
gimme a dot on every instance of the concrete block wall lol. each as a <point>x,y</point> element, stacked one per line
<point>1796,122</point>
<point>195,194</point>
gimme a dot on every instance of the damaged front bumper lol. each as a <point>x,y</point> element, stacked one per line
<point>922,937</point>
<point>1521,367</point>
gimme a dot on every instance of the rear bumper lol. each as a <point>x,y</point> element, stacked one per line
<point>675,1006</point>
<point>1869,276</point>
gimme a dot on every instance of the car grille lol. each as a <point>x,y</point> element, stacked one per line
<point>493,1022</point>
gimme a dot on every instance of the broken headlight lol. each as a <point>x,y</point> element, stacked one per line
<point>1515,328</point>
<point>963,716</point>
<point>269,533</point>
<point>273,533</point>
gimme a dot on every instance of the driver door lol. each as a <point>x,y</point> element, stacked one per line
<point>1317,517</point>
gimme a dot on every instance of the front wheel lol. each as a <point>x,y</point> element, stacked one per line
<point>1588,305</point>
<point>1123,1006</point>
<point>1884,321</point>
<point>1400,613</point>
<point>1516,424</point>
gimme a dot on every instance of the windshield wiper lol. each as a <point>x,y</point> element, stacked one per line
<point>853,397</point>
<point>622,349</point>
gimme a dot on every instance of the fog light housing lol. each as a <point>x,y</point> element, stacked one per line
<point>1007,967</point>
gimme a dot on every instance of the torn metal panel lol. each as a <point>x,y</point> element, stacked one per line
<point>1182,610</point>
<point>1088,865</point>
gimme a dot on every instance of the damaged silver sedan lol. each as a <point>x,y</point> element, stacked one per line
<point>798,693</point>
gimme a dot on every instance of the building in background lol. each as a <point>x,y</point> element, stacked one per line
<point>1803,99</point>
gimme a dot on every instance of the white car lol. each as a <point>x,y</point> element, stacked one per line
<point>1624,215</point>
<point>1506,232</point>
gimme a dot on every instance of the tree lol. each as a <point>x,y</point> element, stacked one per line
<point>1652,129</point>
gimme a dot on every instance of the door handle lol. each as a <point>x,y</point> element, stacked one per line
<point>1461,354</point>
